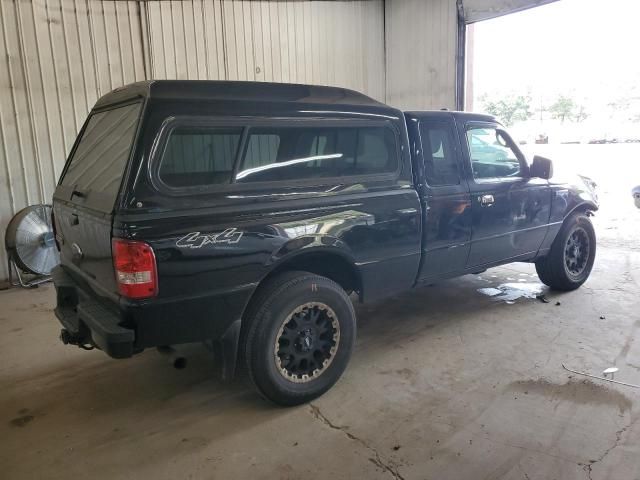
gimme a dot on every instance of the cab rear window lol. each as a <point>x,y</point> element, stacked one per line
<point>100,158</point>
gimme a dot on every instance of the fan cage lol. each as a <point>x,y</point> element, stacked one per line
<point>30,241</point>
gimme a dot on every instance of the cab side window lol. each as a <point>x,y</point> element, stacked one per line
<point>299,153</point>
<point>492,154</point>
<point>440,160</point>
<point>199,156</point>
<point>262,148</point>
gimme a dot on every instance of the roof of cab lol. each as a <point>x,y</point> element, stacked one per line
<point>204,90</point>
<point>463,116</point>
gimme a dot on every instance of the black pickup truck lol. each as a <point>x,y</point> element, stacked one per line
<point>244,215</point>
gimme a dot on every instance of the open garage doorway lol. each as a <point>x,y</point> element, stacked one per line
<point>564,80</point>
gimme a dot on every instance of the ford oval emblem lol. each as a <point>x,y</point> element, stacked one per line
<point>77,251</point>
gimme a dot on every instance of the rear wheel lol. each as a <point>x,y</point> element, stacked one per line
<point>570,260</point>
<point>300,335</point>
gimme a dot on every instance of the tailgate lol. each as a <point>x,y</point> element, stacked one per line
<point>86,195</point>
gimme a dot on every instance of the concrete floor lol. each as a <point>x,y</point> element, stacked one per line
<point>445,383</point>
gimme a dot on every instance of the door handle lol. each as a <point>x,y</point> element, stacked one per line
<point>74,219</point>
<point>486,200</point>
<point>407,212</point>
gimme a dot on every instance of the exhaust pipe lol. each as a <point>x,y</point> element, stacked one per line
<point>176,360</point>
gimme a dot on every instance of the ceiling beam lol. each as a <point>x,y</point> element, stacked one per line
<point>477,10</point>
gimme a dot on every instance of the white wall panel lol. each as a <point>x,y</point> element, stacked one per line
<point>321,42</point>
<point>59,56</point>
<point>421,53</point>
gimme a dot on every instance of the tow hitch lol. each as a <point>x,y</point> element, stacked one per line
<point>69,338</point>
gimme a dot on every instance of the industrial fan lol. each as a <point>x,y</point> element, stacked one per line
<point>31,246</point>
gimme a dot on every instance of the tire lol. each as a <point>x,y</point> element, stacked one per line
<point>299,322</point>
<point>563,268</point>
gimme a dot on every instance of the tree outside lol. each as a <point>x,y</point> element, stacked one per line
<point>509,109</point>
<point>563,108</point>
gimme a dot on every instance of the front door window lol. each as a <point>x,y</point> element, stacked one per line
<point>492,153</point>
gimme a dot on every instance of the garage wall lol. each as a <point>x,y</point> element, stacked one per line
<point>331,43</point>
<point>421,53</point>
<point>59,56</point>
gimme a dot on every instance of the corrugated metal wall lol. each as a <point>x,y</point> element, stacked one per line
<point>329,43</point>
<point>59,56</point>
<point>421,53</point>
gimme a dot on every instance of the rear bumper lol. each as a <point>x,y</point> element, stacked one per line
<point>86,321</point>
<point>121,330</point>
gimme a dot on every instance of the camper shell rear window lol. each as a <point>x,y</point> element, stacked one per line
<point>99,160</point>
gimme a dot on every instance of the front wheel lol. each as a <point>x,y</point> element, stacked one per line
<point>300,335</point>
<point>570,260</point>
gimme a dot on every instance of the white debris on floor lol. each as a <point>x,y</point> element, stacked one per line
<point>510,292</point>
<point>490,291</point>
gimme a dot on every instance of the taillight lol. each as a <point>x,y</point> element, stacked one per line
<point>135,265</point>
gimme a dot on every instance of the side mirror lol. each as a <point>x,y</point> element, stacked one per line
<point>541,168</point>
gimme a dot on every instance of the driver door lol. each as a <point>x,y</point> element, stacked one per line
<point>510,210</point>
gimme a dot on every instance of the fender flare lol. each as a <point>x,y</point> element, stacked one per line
<point>585,205</point>
<point>310,245</point>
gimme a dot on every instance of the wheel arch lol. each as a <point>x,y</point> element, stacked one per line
<point>586,207</point>
<point>330,262</point>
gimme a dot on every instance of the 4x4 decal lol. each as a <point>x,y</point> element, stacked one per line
<point>199,240</point>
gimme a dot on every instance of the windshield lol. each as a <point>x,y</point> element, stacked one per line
<point>100,158</point>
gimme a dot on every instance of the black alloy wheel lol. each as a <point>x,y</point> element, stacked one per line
<point>307,342</point>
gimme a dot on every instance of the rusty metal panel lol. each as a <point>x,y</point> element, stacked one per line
<point>421,53</point>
